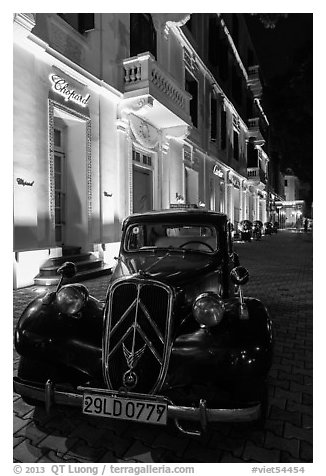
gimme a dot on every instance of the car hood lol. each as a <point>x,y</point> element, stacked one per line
<point>172,268</point>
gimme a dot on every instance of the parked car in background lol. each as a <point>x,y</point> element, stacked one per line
<point>268,228</point>
<point>245,227</point>
<point>175,337</point>
<point>257,228</point>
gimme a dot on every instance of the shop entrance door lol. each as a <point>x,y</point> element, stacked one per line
<point>142,190</point>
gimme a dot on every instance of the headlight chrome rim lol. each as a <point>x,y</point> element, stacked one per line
<point>71,298</point>
<point>204,316</point>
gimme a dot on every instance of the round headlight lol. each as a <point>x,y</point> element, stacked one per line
<point>71,298</point>
<point>208,310</point>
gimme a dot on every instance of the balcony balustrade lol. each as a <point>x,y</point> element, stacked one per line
<point>256,176</point>
<point>142,75</point>
<point>254,82</point>
<point>254,130</point>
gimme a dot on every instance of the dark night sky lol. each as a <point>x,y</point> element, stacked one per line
<point>286,58</point>
<point>276,47</point>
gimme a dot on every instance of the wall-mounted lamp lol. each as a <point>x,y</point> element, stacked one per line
<point>106,194</point>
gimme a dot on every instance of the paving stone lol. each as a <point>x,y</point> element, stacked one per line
<point>297,407</point>
<point>307,421</point>
<point>275,442</point>
<point>82,452</point>
<point>143,454</point>
<point>306,452</point>
<point>17,440</point>
<point>25,452</point>
<point>277,402</point>
<point>167,441</point>
<point>201,453</point>
<point>144,433</point>
<point>21,408</point>
<point>278,414</point>
<point>18,423</point>
<point>291,431</point>
<point>298,370</point>
<point>108,457</point>
<point>295,396</point>
<point>261,455</point>
<point>298,378</point>
<point>33,433</point>
<point>229,458</point>
<point>307,399</point>
<point>233,445</point>
<point>58,443</point>
<point>274,426</point>
<point>52,457</point>
<point>115,443</point>
<point>306,389</point>
<point>288,458</point>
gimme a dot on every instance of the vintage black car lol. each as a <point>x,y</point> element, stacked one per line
<point>175,337</point>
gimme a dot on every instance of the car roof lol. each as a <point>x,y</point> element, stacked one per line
<point>196,214</point>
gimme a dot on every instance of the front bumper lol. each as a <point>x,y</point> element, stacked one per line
<point>201,414</point>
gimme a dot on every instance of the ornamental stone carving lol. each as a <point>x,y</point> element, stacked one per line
<point>146,134</point>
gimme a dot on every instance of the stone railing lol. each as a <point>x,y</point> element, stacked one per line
<point>256,175</point>
<point>253,81</point>
<point>254,130</point>
<point>142,71</point>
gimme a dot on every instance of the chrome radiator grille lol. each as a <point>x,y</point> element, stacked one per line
<point>137,340</point>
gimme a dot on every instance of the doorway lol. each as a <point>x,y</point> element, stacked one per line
<point>142,189</point>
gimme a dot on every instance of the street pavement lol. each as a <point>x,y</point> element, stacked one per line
<point>281,275</point>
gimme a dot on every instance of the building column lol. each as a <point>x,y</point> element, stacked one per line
<point>229,204</point>
<point>123,203</point>
<point>165,174</point>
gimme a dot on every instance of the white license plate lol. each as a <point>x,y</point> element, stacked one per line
<point>125,408</point>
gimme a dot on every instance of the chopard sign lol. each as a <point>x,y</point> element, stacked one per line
<point>61,86</point>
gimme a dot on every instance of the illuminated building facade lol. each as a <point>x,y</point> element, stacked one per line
<point>292,211</point>
<point>122,113</point>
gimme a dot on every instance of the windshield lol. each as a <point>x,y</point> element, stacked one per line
<point>195,237</point>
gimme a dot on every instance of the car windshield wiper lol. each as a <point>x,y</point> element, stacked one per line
<point>157,261</point>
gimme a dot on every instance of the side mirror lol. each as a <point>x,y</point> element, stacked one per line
<point>239,275</point>
<point>67,270</point>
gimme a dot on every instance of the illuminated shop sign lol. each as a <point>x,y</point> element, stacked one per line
<point>60,86</point>
<point>235,181</point>
<point>218,171</point>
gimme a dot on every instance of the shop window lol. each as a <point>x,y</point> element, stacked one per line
<point>213,131</point>
<point>223,129</point>
<point>81,22</point>
<point>191,87</point>
<point>142,34</point>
